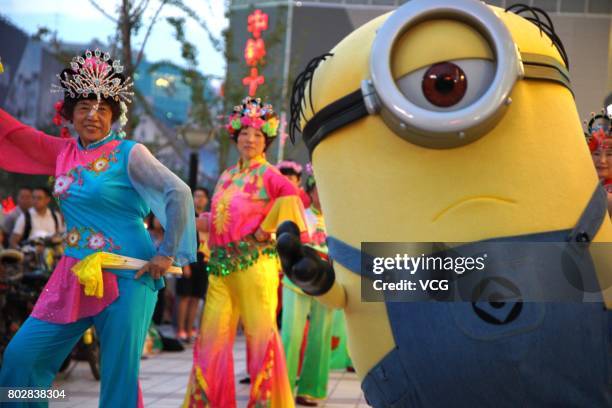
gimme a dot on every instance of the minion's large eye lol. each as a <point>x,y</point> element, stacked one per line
<point>444,84</point>
<point>448,86</point>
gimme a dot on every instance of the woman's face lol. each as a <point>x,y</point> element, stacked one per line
<point>200,199</point>
<point>602,159</point>
<point>251,143</point>
<point>92,125</point>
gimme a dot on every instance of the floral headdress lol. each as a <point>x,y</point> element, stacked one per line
<point>252,113</point>
<point>59,121</point>
<point>291,166</point>
<point>97,75</point>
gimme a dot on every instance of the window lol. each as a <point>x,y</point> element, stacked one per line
<point>573,6</point>
<point>546,5</point>
<point>600,6</point>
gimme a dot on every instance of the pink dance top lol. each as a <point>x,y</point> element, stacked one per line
<point>249,195</point>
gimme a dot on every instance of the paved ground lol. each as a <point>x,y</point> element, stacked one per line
<point>164,377</point>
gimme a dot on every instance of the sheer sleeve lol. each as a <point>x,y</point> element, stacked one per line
<point>170,200</point>
<point>24,149</point>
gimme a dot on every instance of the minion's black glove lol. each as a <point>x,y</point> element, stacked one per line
<point>302,265</point>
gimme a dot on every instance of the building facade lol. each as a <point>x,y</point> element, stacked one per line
<point>30,67</point>
<point>300,30</point>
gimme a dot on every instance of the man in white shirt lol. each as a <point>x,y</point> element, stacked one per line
<point>24,202</point>
<point>39,221</point>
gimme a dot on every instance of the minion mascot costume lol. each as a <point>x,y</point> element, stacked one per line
<point>437,122</point>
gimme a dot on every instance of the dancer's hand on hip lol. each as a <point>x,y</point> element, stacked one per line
<point>261,235</point>
<point>156,267</point>
<point>186,271</point>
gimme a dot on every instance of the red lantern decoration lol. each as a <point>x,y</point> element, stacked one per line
<point>254,51</point>
<point>253,81</point>
<point>257,22</point>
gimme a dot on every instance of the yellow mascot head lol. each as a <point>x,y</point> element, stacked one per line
<point>445,120</point>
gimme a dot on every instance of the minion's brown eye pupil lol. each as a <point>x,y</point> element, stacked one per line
<point>444,84</point>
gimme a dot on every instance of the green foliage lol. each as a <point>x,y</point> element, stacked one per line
<point>216,42</point>
<point>129,16</point>
<point>41,34</point>
<point>196,81</point>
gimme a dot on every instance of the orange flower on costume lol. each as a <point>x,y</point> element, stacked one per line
<point>73,238</point>
<point>99,165</point>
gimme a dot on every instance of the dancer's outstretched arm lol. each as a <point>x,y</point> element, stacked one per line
<point>24,149</point>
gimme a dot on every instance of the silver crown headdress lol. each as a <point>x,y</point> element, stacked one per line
<point>94,75</point>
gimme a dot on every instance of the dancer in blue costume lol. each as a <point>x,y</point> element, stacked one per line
<point>105,187</point>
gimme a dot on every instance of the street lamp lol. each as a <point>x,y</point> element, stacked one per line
<point>195,138</point>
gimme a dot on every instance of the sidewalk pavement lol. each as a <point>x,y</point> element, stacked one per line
<point>163,379</point>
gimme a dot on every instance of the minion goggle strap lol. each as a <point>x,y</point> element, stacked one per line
<point>439,128</point>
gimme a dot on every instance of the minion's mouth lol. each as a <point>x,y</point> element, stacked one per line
<point>469,200</point>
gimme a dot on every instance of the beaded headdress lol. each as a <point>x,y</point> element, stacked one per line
<point>599,127</point>
<point>95,74</point>
<point>253,113</point>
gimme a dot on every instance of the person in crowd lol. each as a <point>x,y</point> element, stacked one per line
<point>24,202</point>
<point>293,171</point>
<point>39,221</point>
<point>105,186</point>
<point>297,307</point>
<point>250,200</point>
<point>599,139</point>
<point>191,287</point>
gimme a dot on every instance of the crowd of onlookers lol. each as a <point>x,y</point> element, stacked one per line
<point>32,218</point>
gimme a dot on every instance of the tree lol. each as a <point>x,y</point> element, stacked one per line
<point>128,17</point>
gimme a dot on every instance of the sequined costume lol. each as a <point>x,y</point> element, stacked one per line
<point>105,191</point>
<point>243,282</point>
